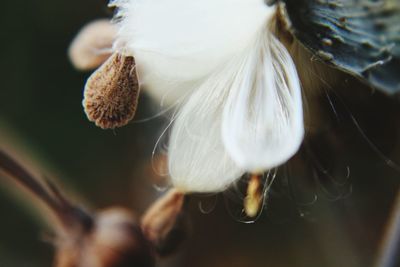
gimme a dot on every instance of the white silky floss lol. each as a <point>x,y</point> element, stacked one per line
<point>241,110</point>
<point>176,43</point>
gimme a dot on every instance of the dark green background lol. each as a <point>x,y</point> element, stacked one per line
<point>40,107</point>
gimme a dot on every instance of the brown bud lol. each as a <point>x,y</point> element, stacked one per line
<point>115,240</point>
<point>163,222</point>
<point>93,44</point>
<point>112,92</point>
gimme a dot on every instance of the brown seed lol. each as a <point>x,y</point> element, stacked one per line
<point>163,223</point>
<point>112,93</point>
<point>254,197</point>
<point>93,44</point>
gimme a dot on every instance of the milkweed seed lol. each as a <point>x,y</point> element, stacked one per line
<point>112,92</point>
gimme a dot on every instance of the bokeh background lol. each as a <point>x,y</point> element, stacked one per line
<point>330,219</point>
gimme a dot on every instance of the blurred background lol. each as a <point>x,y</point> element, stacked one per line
<point>328,206</point>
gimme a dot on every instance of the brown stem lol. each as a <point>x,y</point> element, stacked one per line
<point>51,196</point>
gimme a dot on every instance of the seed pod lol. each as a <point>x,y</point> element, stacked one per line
<point>359,32</point>
<point>93,45</point>
<point>112,92</point>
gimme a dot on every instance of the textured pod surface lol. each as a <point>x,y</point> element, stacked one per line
<point>361,37</point>
<point>112,92</point>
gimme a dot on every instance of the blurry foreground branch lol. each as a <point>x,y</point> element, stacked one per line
<point>114,237</point>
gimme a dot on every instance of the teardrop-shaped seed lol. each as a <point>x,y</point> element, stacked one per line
<point>112,92</point>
